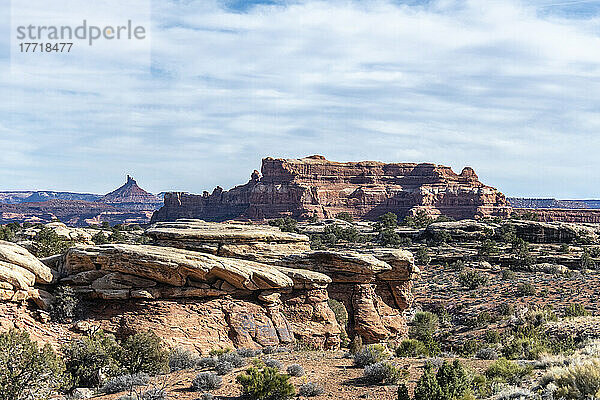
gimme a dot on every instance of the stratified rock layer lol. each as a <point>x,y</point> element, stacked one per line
<point>315,186</point>
<point>375,288</point>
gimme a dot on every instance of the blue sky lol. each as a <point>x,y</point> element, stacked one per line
<point>511,88</point>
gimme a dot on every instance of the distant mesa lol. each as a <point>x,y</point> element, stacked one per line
<point>309,186</point>
<point>127,204</point>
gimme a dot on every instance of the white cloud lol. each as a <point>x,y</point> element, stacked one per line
<point>496,85</point>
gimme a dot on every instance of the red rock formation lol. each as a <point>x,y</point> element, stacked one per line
<point>559,214</point>
<point>367,189</point>
<point>131,197</point>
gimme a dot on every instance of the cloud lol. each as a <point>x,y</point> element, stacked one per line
<point>509,88</point>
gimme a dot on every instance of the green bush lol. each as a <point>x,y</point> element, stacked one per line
<point>26,371</point>
<point>341,316</point>
<point>181,358</point>
<point>344,216</point>
<point>472,279</point>
<point>387,221</point>
<point>420,220</point>
<point>265,384</point>
<point>403,392</point>
<point>144,352</point>
<point>90,358</point>
<point>487,249</point>
<point>100,238</point>
<point>422,256</point>
<point>453,380</point>
<point>286,224</point>
<point>508,275</point>
<point>491,336</point>
<point>423,326</point>
<point>576,310</point>
<point>525,289</point>
<point>411,348</point>
<point>521,255</point>
<point>507,371</point>
<point>64,304</point>
<point>428,387</point>
<point>586,261</point>
<point>49,243</point>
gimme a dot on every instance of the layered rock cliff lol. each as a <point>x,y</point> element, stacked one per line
<point>315,186</point>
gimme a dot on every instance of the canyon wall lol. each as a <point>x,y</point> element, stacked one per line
<point>301,188</point>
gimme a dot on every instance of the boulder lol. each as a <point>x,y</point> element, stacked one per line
<point>12,253</point>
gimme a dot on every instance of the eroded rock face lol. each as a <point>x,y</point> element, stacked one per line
<point>19,272</point>
<point>366,189</point>
<point>375,287</point>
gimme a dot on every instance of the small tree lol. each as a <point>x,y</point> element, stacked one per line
<point>26,371</point>
<point>387,221</point>
<point>453,380</point>
<point>344,216</point>
<point>422,256</point>
<point>424,326</point>
<point>64,305</point>
<point>472,279</point>
<point>420,220</point>
<point>49,243</point>
<point>145,352</point>
<point>91,358</point>
<point>428,387</point>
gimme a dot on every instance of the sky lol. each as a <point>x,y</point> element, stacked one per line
<point>510,88</point>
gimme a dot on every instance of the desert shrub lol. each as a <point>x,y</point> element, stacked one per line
<point>422,256</point>
<point>370,354</point>
<point>64,304</point>
<point>576,310</point>
<point>383,373</point>
<point>508,275</point>
<point>356,344</point>
<point>48,243</point>
<point>453,380</point>
<point>470,347</point>
<point>521,255</point>
<point>28,372</point>
<point>344,216</point>
<point>248,353</point>
<point>273,363</point>
<point>428,387</point>
<point>206,396</point>
<point>507,371</point>
<point>286,224</point>
<point>472,279</point>
<point>388,220</point>
<point>411,348</point>
<point>487,353</point>
<point>206,362</point>
<point>341,316</point>
<point>423,326</point>
<point>440,237</point>
<point>506,309</point>
<point>90,358</point>
<point>507,233</point>
<point>100,238</point>
<point>7,232</point>
<point>233,358</point>
<point>205,381</point>
<point>144,352</point>
<point>124,383</point>
<point>525,289</point>
<point>514,393</point>
<point>420,220</point>
<point>295,370</point>
<point>310,389</point>
<point>491,336</point>
<point>153,394</point>
<point>389,237</point>
<point>578,381</point>
<point>564,248</point>
<point>180,359</point>
<point>524,348</point>
<point>488,248</point>
<point>403,392</point>
<point>266,384</point>
<point>458,265</point>
<point>223,367</point>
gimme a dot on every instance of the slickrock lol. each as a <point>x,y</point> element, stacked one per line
<point>366,189</point>
<point>173,266</point>
<point>463,230</point>
<point>19,272</point>
<point>375,288</point>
